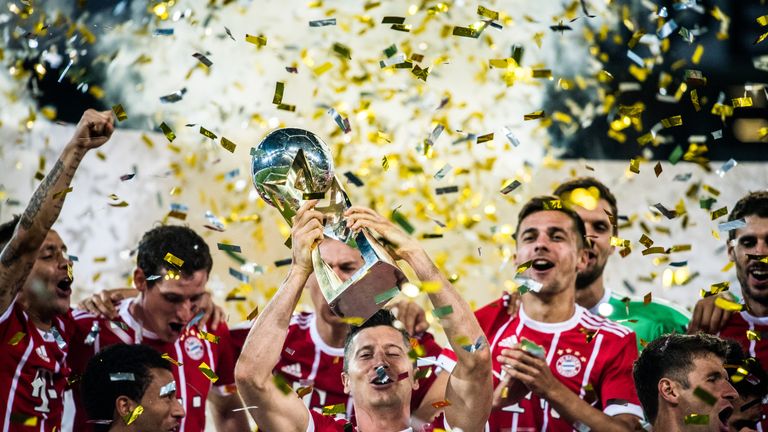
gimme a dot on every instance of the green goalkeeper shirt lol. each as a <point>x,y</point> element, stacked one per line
<point>648,321</point>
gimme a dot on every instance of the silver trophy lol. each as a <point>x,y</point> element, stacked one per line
<point>292,165</point>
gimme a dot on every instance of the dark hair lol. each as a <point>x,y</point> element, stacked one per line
<point>7,229</point>
<point>383,317</point>
<point>100,391</point>
<point>755,384</point>
<point>180,241</point>
<point>670,356</point>
<point>552,203</point>
<point>754,203</point>
<point>586,183</point>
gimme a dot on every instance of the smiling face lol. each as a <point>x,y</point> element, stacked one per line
<point>709,375</point>
<point>550,240</point>
<point>379,348</point>
<point>345,261</point>
<point>746,250</point>
<point>599,231</point>
<point>162,410</point>
<point>169,304</point>
<point>48,288</point>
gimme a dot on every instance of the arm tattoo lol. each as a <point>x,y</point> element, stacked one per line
<point>40,195</point>
<point>9,254</point>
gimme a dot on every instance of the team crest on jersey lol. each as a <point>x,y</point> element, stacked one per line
<point>194,347</point>
<point>568,366</point>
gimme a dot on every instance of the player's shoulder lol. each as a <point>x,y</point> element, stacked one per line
<point>301,320</point>
<point>607,327</point>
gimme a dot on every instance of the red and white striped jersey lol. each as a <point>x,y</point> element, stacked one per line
<point>189,351</point>
<point>591,355</point>
<point>736,328</point>
<point>307,361</point>
<point>33,372</point>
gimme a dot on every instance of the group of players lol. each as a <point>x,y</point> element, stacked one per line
<point>559,354</point>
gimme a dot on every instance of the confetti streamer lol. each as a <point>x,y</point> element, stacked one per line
<point>387,295</point>
<point>532,348</point>
<point>727,166</point>
<point>323,22</point>
<point>168,389</point>
<point>133,415</point>
<point>208,372</point>
<point>119,112</point>
<point>171,360</point>
<point>442,311</point>
<point>122,376</point>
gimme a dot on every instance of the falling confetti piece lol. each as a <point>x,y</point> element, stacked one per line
<point>16,338</point>
<point>122,376</point>
<point>173,260</point>
<point>259,41</point>
<point>210,337</point>
<point>228,145</point>
<point>705,396</point>
<point>719,213</point>
<point>532,348</point>
<point>119,112</point>
<point>208,372</point>
<point>442,311</point>
<point>387,295</point>
<point>335,409</point>
<point>133,415</point>
<point>203,59</point>
<point>168,132</point>
<point>696,419</point>
<point>534,115</point>
<point>728,305</point>
<point>441,404</point>
<point>323,22</point>
<point>446,190</point>
<point>727,166</point>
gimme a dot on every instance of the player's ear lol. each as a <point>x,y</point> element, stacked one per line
<point>140,280</point>
<point>731,252</point>
<point>345,381</point>
<point>124,406</point>
<point>668,390</point>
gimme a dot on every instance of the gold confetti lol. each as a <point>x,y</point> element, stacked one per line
<point>208,372</point>
<point>254,313</point>
<point>523,267</point>
<point>696,57</point>
<point>210,337</point>
<point>728,305</point>
<point>355,321</point>
<point>170,359</point>
<point>133,415</point>
<point>696,419</point>
<point>62,193</point>
<point>323,68</point>
<point>483,11</point>
<point>753,335</point>
<point>334,409</point>
<point>174,260</point>
<point>719,213</point>
<point>259,41</point>
<point>672,121</point>
<point>742,102</point>
<point>228,145</point>
<point>534,115</point>
<point>119,112</point>
<point>16,338</point>
<point>167,131</point>
<point>206,133</point>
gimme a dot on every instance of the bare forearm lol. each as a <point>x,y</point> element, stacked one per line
<point>18,255</point>
<point>458,321</point>
<point>262,348</point>
<point>224,416</point>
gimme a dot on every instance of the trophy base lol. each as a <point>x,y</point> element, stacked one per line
<point>359,298</point>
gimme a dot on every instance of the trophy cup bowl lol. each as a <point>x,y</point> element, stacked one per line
<point>292,165</point>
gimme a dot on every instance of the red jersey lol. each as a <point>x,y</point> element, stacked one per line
<point>591,355</point>
<point>736,328</point>
<point>33,372</point>
<point>306,360</point>
<point>322,423</point>
<point>190,350</point>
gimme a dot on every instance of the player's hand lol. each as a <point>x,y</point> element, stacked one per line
<point>707,317</point>
<point>514,303</point>
<point>214,314</point>
<point>103,303</point>
<point>306,234</point>
<point>94,129</point>
<point>411,315</point>
<point>397,241</point>
<point>532,371</point>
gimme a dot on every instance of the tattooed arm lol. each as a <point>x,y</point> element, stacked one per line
<point>18,255</point>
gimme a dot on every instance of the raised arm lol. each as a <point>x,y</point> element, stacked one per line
<point>274,408</point>
<point>19,254</point>
<point>469,388</point>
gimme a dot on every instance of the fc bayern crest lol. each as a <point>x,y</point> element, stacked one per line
<point>194,347</point>
<point>568,366</point>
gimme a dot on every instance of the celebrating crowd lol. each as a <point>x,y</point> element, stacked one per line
<point>563,352</point>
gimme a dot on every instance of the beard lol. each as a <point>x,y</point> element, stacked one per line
<point>590,274</point>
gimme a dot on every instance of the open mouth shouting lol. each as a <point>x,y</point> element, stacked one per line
<point>723,416</point>
<point>176,327</point>
<point>542,264</point>
<point>758,273</point>
<point>64,287</point>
